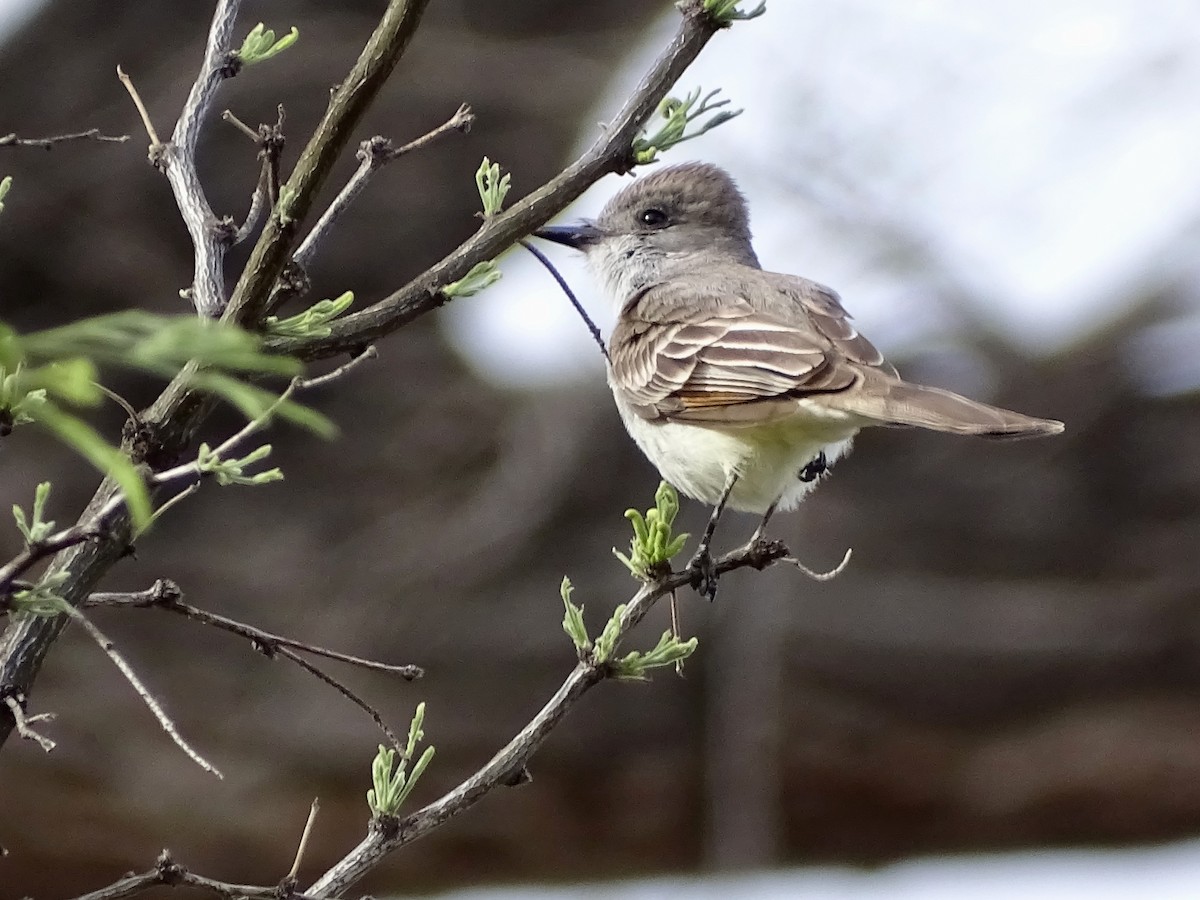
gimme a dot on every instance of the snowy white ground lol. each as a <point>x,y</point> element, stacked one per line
<point>1171,872</point>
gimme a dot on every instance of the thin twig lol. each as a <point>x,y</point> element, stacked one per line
<point>177,159</point>
<point>96,525</point>
<point>228,116</point>
<point>819,576</point>
<point>321,380</point>
<point>347,105</point>
<point>168,872</point>
<point>47,143</point>
<point>32,554</point>
<point>155,143</point>
<point>562,283</point>
<point>22,723</point>
<point>164,594</point>
<point>373,154</point>
<point>171,503</point>
<point>512,759</point>
<point>304,836</point>
<point>345,692</point>
<point>106,644</point>
<point>258,203</point>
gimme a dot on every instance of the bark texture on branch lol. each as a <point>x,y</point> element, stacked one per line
<point>1010,660</point>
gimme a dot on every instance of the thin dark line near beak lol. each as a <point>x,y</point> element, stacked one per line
<point>577,236</point>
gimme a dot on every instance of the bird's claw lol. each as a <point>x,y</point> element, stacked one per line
<point>704,574</point>
<point>814,468</point>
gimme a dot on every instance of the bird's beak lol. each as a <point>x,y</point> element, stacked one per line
<point>579,235</point>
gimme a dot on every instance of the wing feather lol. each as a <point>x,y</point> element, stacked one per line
<point>693,349</point>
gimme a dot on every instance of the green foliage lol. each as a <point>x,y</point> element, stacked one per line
<point>482,276</point>
<point>260,44</point>
<point>88,443</point>
<point>678,115</point>
<point>669,651</point>
<point>45,375</point>
<point>312,322</point>
<point>633,666</point>
<point>492,187</point>
<point>257,403</point>
<point>653,545</point>
<point>43,598</point>
<point>573,620</point>
<point>232,471</point>
<point>390,779</point>
<point>283,206</point>
<point>150,342</point>
<point>725,12</point>
<point>36,528</point>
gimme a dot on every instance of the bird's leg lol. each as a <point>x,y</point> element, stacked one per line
<point>704,578</point>
<point>761,530</point>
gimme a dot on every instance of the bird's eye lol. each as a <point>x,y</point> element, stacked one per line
<point>652,217</point>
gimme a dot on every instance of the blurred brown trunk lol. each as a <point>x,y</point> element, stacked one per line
<point>1012,658</point>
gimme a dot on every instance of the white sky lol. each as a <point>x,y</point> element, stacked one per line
<point>1040,155</point>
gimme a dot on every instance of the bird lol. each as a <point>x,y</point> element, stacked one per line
<point>742,386</point>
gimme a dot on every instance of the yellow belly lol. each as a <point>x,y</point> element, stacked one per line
<point>767,458</point>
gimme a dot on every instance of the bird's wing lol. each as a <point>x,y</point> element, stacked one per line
<point>734,352</point>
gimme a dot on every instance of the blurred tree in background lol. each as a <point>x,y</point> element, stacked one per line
<point>1011,659</point>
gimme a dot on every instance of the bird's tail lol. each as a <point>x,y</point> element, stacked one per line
<point>890,401</point>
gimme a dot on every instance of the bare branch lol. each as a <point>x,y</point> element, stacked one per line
<point>612,152</point>
<point>346,107</point>
<point>177,159</point>
<point>36,552</point>
<point>168,872</point>
<point>344,369</point>
<point>47,143</point>
<point>22,723</point>
<point>164,594</point>
<point>228,116</point>
<point>147,123</point>
<point>345,692</point>
<point>304,836</point>
<point>510,762</point>
<point>373,154</point>
<point>106,644</point>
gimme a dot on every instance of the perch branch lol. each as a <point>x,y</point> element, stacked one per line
<point>508,765</point>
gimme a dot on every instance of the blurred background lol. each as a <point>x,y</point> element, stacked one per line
<point>1005,195</point>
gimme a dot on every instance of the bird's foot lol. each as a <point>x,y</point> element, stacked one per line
<point>814,468</point>
<point>704,573</point>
